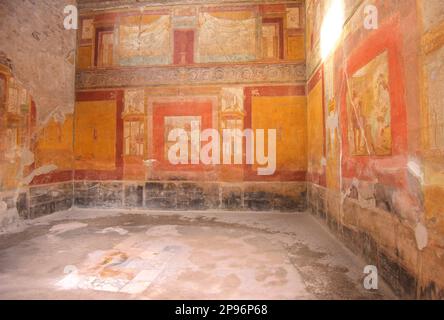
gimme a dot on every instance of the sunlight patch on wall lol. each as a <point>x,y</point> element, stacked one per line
<point>331,29</point>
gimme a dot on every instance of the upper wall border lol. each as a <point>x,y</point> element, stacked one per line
<point>95,5</point>
<point>229,74</point>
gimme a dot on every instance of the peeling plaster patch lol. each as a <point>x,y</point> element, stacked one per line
<point>11,154</point>
<point>10,221</point>
<point>354,184</point>
<point>366,194</point>
<point>421,236</point>
<point>65,227</point>
<point>27,157</point>
<point>120,231</point>
<point>40,171</point>
<point>406,207</point>
<point>59,117</point>
<point>415,169</point>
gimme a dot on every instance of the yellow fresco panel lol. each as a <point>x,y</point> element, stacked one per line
<point>296,48</point>
<point>84,57</point>
<point>95,137</point>
<point>287,115</point>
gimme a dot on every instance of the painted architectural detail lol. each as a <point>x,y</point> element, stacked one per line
<point>232,115</point>
<point>232,100</point>
<point>109,78</point>
<point>184,41</point>
<point>293,18</point>
<point>145,40</point>
<point>180,35</point>
<point>134,123</point>
<point>225,40</point>
<point>134,102</point>
<point>17,97</point>
<point>16,127</point>
<point>134,135</point>
<point>87,29</point>
<point>105,49</point>
<point>270,41</point>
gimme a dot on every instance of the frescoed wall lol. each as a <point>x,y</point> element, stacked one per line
<point>316,132</point>
<point>144,39</point>
<point>358,115</point>
<point>192,34</point>
<point>141,73</point>
<point>37,75</point>
<point>432,124</point>
<point>138,122</point>
<point>282,109</point>
<point>381,137</point>
<point>369,109</point>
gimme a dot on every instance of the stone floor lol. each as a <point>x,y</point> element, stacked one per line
<point>94,254</point>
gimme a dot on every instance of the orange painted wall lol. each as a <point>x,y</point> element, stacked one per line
<point>95,135</point>
<point>98,133</point>
<point>287,115</point>
<point>55,144</point>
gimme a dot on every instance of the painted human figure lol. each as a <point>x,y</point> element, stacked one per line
<point>357,121</point>
<point>381,112</point>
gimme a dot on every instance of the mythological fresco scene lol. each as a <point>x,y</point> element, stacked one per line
<point>203,149</point>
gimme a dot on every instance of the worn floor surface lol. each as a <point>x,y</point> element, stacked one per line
<point>94,254</point>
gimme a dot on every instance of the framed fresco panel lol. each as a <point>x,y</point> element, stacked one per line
<point>369,109</point>
<point>373,106</point>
